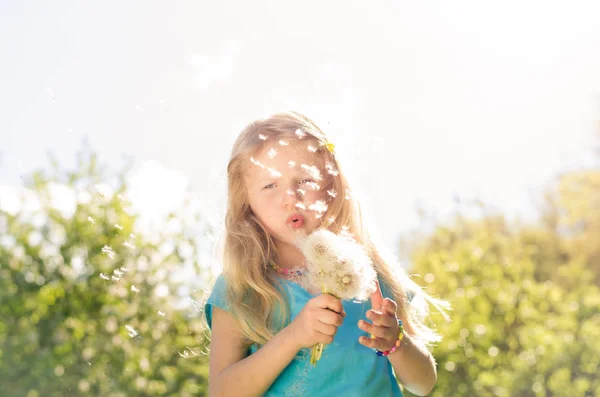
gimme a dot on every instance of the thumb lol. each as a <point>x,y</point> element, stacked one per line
<point>376,297</point>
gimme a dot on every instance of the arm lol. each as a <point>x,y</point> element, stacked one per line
<point>414,367</point>
<point>231,373</point>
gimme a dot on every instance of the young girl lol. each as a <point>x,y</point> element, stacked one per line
<point>284,182</point>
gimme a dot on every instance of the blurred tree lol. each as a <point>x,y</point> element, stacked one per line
<point>526,300</point>
<point>87,307</point>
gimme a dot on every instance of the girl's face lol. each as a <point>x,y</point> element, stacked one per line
<point>286,192</point>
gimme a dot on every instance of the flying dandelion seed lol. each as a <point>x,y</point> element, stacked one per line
<point>263,137</point>
<point>116,278</point>
<point>274,173</point>
<point>300,134</point>
<point>118,273</point>
<point>108,251</point>
<point>121,197</point>
<point>347,197</point>
<point>132,236</point>
<point>89,218</point>
<point>102,276</point>
<point>283,143</point>
<point>332,193</point>
<point>255,162</point>
<point>319,206</point>
<point>301,191</point>
<point>134,289</point>
<point>129,245</point>
<point>291,163</point>
<point>161,313</point>
<point>311,148</point>
<point>119,226</point>
<point>132,332</point>
<point>272,153</point>
<point>301,206</point>
<point>290,192</point>
<point>330,220</point>
<point>124,269</point>
<point>312,171</point>
<point>331,169</point>
<point>313,185</point>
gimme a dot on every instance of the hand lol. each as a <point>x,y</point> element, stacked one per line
<point>318,321</point>
<point>384,326</point>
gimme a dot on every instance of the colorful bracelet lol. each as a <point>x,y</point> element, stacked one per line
<point>396,346</point>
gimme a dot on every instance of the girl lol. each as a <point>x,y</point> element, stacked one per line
<point>284,182</point>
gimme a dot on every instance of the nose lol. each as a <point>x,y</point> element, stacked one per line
<point>290,199</point>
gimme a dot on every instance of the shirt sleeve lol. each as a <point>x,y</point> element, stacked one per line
<point>218,298</point>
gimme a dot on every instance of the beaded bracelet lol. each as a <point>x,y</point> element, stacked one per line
<point>396,346</point>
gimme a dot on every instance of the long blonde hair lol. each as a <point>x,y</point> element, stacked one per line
<point>247,247</point>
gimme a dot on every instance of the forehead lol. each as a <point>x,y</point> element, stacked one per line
<point>284,159</point>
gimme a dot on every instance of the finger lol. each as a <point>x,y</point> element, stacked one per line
<point>380,319</point>
<point>329,317</point>
<point>378,332</point>
<point>326,301</point>
<point>389,307</point>
<point>376,297</point>
<point>377,343</point>
<point>325,329</point>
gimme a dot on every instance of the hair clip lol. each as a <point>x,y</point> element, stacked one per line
<point>330,146</point>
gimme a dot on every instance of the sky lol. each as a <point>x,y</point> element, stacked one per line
<point>425,101</point>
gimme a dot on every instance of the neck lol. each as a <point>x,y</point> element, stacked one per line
<point>289,256</point>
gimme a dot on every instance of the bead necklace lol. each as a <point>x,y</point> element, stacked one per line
<point>287,272</point>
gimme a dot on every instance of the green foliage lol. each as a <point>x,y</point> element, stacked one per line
<point>526,318</point>
<point>63,326</point>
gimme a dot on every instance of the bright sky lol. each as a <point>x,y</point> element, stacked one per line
<point>424,100</point>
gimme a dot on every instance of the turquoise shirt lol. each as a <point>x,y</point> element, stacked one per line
<point>346,368</point>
